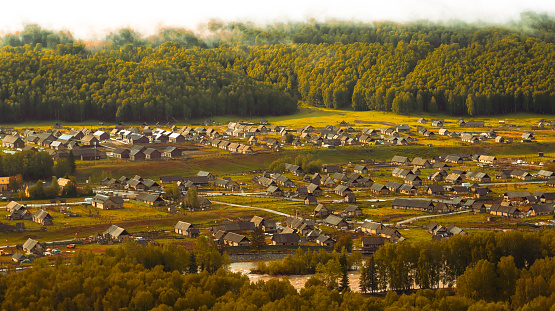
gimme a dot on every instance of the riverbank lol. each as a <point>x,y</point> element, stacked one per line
<point>297,281</point>
<point>255,257</point>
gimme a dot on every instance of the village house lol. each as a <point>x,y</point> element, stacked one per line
<point>379,189</point>
<point>234,239</point>
<point>326,168</point>
<point>420,205</point>
<point>152,154</point>
<point>115,233</point>
<point>505,211</point>
<point>435,190</point>
<point>491,160</point>
<point>371,244</point>
<point>11,141</point>
<point>360,169</point>
<point>547,197</point>
<point>453,178</point>
<point>18,212</point>
<point>374,228</point>
<point>352,211</point>
<point>420,163</point>
<point>503,174</point>
<point>546,174</point>
<point>171,152</point>
<point>137,155</point>
<point>314,189</point>
<point>32,246</point>
<point>400,160</point>
<point>478,176</point>
<point>350,198</point>
<point>518,196</point>
<point>150,199</point>
<point>342,190</point>
<point>478,207</point>
<point>310,200</point>
<point>521,174</point>
<point>393,186</point>
<point>121,153</point>
<point>274,191</point>
<point>285,239</point>
<point>107,202</point>
<point>401,172</point>
<point>269,226</point>
<point>336,222</point>
<point>325,240</point>
<point>42,217</point>
<point>101,136</point>
<point>413,180</point>
<point>408,189</point>
<point>89,140</point>
<point>541,209</point>
<point>392,234</point>
<point>321,211</point>
<point>186,229</point>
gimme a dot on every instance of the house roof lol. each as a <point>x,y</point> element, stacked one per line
<point>352,208</point>
<point>399,159</point>
<point>333,220</point>
<point>372,225</point>
<point>516,194</point>
<point>100,198</point>
<point>234,237</point>
<point>542,208</point>
<point>116,231</point>
<point>286,238</point>
<point>323,238</point>
<point>147,197</point>
<point>181,225</point>
<point>30,243</point>
<point>42,215</point>
<point>372,240</point>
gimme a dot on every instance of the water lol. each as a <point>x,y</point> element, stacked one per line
<point>297,281</point>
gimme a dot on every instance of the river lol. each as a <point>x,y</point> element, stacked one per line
<point>297,281</point>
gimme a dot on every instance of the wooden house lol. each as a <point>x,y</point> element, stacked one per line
<point>42,217</point>
<point>186,229</point>
<point>107,202</point>
<point>321,211</point>
<point>353,211</point>
<point>291,239</point>
<point>371,244</point>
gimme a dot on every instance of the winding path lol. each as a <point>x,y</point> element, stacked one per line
<point>428,216</point>
<point>258,208</point>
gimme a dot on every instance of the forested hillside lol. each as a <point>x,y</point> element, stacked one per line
<point>248,70</point>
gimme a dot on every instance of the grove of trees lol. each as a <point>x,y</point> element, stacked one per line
<point>504,271</point>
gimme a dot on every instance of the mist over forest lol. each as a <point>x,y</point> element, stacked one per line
<point>249,70</point>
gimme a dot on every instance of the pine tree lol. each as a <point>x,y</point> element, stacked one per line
<point>193,267</point>
<point>363,286</point>
<point>71,160</point>
<point>344,285</point>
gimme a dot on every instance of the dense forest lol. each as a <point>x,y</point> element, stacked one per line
<point>249,70</point>
<point>133,277</point>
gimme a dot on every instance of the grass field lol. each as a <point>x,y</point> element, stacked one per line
<point>140,219</point>
<point>133,217</point>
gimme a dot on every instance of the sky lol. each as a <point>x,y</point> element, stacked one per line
<point>89,20</point>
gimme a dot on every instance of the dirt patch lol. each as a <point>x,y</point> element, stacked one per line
<point>375,122</point>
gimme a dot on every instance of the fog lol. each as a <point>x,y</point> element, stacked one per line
<point>97,18</point>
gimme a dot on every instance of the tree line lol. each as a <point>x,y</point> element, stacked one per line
<point>247,70</point>
<point>134,277</point>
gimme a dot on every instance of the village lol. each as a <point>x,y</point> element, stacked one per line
<point>320,207</point>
